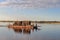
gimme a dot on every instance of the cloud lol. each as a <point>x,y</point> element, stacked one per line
<point>31,3</point>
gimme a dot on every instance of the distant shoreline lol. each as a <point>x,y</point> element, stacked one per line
<point>50,22</point>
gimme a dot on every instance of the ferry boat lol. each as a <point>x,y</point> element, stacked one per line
<point>21,25</point>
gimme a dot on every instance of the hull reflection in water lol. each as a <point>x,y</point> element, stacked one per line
<point>24,31</point>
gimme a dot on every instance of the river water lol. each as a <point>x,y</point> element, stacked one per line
<point>44,32</point>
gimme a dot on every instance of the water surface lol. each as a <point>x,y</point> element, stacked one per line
<point>45,32</point>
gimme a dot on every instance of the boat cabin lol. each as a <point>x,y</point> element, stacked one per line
<point>22,23</point>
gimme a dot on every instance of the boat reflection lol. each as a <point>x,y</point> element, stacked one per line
<point>22,31</point>
<point>25,31</point>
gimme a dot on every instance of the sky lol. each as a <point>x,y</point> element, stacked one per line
<point>36,10</point>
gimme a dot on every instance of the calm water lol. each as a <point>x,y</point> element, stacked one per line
<point>44,32</point>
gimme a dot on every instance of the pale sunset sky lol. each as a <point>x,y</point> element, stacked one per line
<point>37,10</point>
